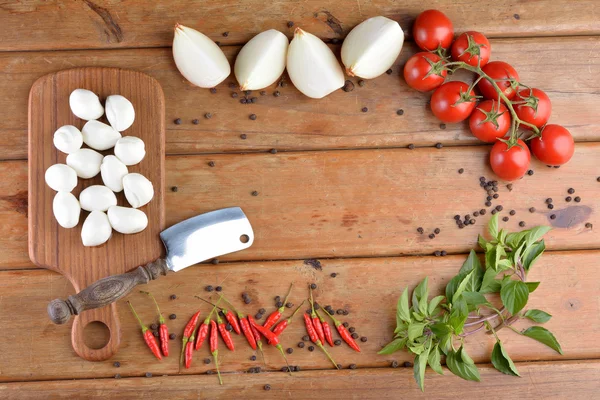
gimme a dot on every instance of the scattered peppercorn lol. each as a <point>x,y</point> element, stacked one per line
<point>209,288</point>
<point>482,212</point>
<point>431,236</point>
<point>346,324</point>
<point>571,191</point>
<point>172,316</point>
<point>394,364</point>
<point>553,216</point>
<point>243,100</point>
<point>177,121</point>
<point>172,336</point>
<point>550,206</point>
<point>439,145</point>
<point>442,126</point>
<point>522,224</point>
<point>337,342</point>
<point>499,208</point>
<point>348,86</point>
<point>444,253</point>
<point>355,336</point>
<point>548,200</point>
<point>208,115</point>
<point>389,71</point>
<point>273,151</point>
<point>352,366</point>
<point>577,199</point>
<point>505,219</point>
<point>253,117</point>
<point>276,93</point>
<point>234,95</point>
<point>213,90</point>
<point>195,121</point>
<point>407,364</point>
<point>420,230</point>
<point>494,211</point>
<point>509,187</point>
<point>530,172</point>
<point>488,203</point>
<point>117,376</point>
<point>461,170</point>
<point>116,364</point>
<point>148,374</point>
<point>363,339</point>
<point>532,209</point>
<point>437,253</point>
<point>588,225</point>
<point>411,146</point>
<point>568,199</point>
<point>211,163</point>
<point>512,212</point>
<point>290,24</point>
<point>306,338</point>
<point>346,312</point>
<point>313,286</point>
<point>364,109</point>
<point>289,350</point>
<point>496,195</point>
<point>311,348</point>
<point>361,82</point>
<point>153,327</point>
<point>207,360</point>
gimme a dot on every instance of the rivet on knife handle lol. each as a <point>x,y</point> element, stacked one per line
<point>105,291</point>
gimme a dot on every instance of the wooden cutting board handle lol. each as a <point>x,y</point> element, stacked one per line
<point>109,317</point>
<point>105,291</point>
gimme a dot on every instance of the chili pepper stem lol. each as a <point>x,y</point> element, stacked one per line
<point>320,345</point>
<point>206,301</point>
<point>215,355</point>
<point>160,316</point>
<point>144,327</point>
<point>240,315</point>
<point>287,296</point>
<point>335,321</point>
<point>285,358</point>
<point>296,311</point>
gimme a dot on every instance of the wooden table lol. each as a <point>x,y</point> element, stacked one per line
<point>342,188</point>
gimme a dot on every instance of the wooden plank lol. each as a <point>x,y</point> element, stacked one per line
<point>560,380</point>
<point>295,122</point>
<point>353,203</point>
<point>99,24</point>
<point>35,349</point>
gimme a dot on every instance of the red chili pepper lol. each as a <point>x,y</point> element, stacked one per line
<point>280,327</point>
<point>203,329</point>
<point>214,342</point>
<point>272,338</point>
<point>256,335</point>
<point>310,329</point>
<point>326,330</point>
<point>189,351</point>
<point>229,316</point>
<point>344,333</point>
<point>163,330</point>
<point>275,315</point>
<point>225,333</point>
<point>148,336</point>
<point>245,325</point>
<point>189,329</point>
<point>315,320</point>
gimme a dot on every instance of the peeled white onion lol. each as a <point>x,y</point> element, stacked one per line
<point>372,47</point>
<point>97,198</point>
<point>198,58</point>
<point>138,189</point>
<point>68,139</point>
<point>96,229</point>
<point>119,112</point>
<point>61,177</point>
<point>85,104</point>
<point>85,162</point>
<point>127,220</point>
<point>312,66</point>
<point>112,171</point>
<point>66,209</point>
<point>261,61</point>
<point>130,150</point>
<point>99,136</point>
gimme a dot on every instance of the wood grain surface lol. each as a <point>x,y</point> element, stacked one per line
<point>61,250</point>
<point>368,288</point>
<point>355,203</point>
<point>295,122</point>
<point>90,24</point>
<point>559,380</point>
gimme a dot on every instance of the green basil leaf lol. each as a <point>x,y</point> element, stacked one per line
<point>458,316</point>
<point>536,234</point>
<point>434,303</point>
<point>440,329</point>
<point>531,286</point>
<point>514,295</point>
<point>403,310</point>
<point>415,329</point>
<point>446,343</point>
<point>538,316</point>
<point>503,265</point>
<point>420,364</point>
<point>434,360</point>
<point>490,259</point>
<point>532,253</point>
<point>474,299</point>
<point>470,263</point>
<point>452,286</point>
<point>462,286</point>
<point>416,348</point>
<point>464,356</point>
<point>544,336</point>
<point>393,346</point>
<point>459,368</point>
<point>502,361</point>
<point>400,325</point>
<point>513,240</point>
<point>419,297</point>
<point>502,236</point>
<point>493,226</point>
<point>489,283</point>
<point>482,242</point>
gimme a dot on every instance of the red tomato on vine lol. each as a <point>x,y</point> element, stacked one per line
<point>473,48</point>
<point>510,164</point>
<point>555,147</point>
<point>451,103</point>
<point>490,120</point>
<point>504,75</point>
<point>425,71</point>
<point>433,30</point>
<point>536,108</point>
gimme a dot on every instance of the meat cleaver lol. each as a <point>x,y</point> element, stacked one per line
<point>189,242</point>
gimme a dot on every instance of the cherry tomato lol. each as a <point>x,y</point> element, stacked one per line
<point>555,147</point>
<point>451,103</point>
<point>433,29</point>
<point>537,107</point>
<point>473,48</point>
<point>510,164</point>
<point>502,73</point>
<point>489,121</point>
<point>425,71</point>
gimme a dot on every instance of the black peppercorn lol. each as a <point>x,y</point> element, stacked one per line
<point>389,71</point>
<point>550,206</point>
<point>311,348</point>
<point>411,146</point>
<point>355,336</point>
<point>553,216</point>
<point>496,195</point>
<point>337,342</point>
<point>290,24</point>
<point>276,93</point>
<point>333,274</point>
<point>436,231</point>
<point>267,387</point>
<point>431,236</point>
<point>420,230</point>
<point>346,324</point>
<point>364,109</point>
<point>306,338</point>
<point>172,336</point>
<point>577,199</point>
<point>363,339</point>
<point>148,374</point>
<point>407,364</point>
<point>209,288</point>
<point>512,212</point>
<point>505,219</point>
<point>153,327</point>
<point>532,209</point>
<point>301,345</point>
<point>195,121</point>
<point>234,95</point>
<point>273,151</point>
<point>461,170</point>
<point>398,112</point>
<point>571,191</point>
<point>289,350</point>
<point>172,297</point>
<point>352,366</point>
<point>208,115</point>
<point>117,376</point>
<point>252,117</point>
<point>444,253</point>
<point>588,225</point>
<point>530,172</point>
<point>548,200</point>
<point>437,253</point>
<point>394,364</point>
<point>211,163</point>
<point>172,316</point>
<point>177,121</point>
<point>116,364</point>
<point>439,145</point>
<point>522,224</point>
<point>568,199</point>
<point>313,286</point>
<point>213,90</point>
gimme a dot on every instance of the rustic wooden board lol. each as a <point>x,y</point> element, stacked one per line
<point>354,203</point>
<point>100,24</point>
<point>294,122</point>
<point>61,250</point>
<point>368,288</point>
<point>560,380</point>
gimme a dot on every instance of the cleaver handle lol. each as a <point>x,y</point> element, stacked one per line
<point>105,291</point>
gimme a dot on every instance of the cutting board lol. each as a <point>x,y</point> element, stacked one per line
<point>60,249</point>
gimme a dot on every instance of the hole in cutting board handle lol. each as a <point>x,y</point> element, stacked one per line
<point>96,335</point>
<point>244,238</point>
